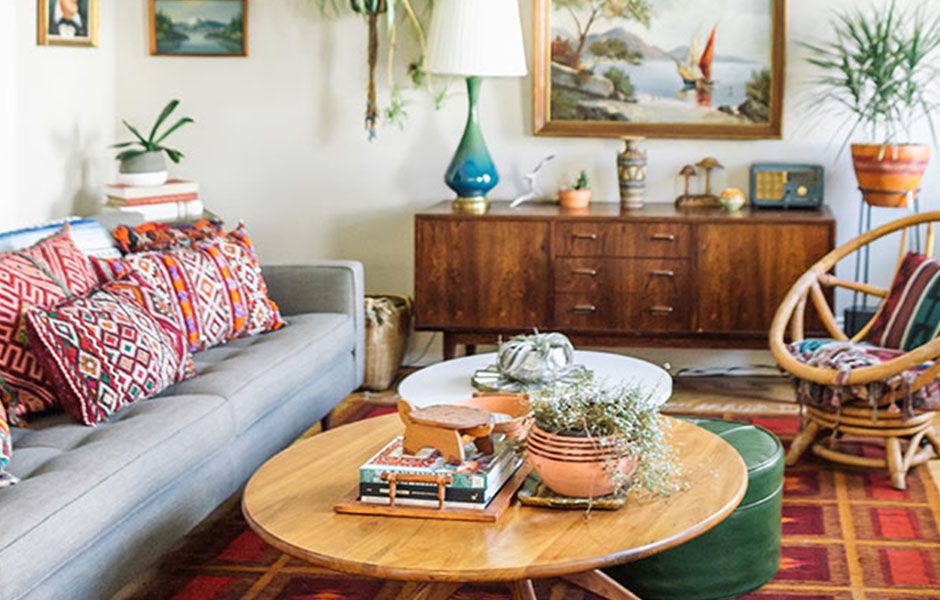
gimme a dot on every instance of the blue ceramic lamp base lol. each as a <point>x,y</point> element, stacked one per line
<point>471,173</point>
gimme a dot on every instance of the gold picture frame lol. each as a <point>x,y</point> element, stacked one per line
<point>668,60</point>
<point>67,22</point>
<point>198,40</point>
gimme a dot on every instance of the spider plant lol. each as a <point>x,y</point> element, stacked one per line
<point>394,12</point>
<point>878,72</point>
<point>154,142</point>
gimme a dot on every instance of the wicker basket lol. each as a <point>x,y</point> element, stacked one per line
<point>387,333</point>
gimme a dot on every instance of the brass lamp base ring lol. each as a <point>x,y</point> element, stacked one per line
<point>474,204</point>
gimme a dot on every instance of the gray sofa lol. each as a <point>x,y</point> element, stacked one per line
<point>96,506</point>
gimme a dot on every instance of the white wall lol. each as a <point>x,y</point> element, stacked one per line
<point>8,135</point>
<point>64,106</point>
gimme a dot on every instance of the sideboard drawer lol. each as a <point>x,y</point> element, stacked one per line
<point>647,239</point>
<point>659,277</point>
<point>629,312</point>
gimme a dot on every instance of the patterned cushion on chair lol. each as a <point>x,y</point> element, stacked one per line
<point>910,315</point>
<point>114,346</point>
<point>39,276</point>
<point>215,288</point>
<point>845,356</point>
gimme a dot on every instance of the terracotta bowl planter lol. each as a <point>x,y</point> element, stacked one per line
<point>886,180</point>
<point>574,198</point>
<point>575,470</point>
<point>514,405</point>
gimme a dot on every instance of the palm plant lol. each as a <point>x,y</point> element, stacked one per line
<point>154,142</point>
<point>877,70</point>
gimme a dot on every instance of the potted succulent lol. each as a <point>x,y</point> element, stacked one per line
<point>141,160</point>
<point>880,71</point>
<point>592,439</point>
<point>578,196</point>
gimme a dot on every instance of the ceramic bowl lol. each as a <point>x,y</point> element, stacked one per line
<point>580,479</point>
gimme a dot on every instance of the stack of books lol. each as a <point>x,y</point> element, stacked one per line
<point>175,200</point>
<point>475,481</point>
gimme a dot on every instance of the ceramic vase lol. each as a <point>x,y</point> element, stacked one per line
<point>888,174</point>
<point>631,173</point>
<point>578,467</point>
<point>148,168</point>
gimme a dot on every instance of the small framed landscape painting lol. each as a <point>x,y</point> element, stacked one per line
<point>659,68</point>
<point>67,22</point>
<point>198,27</point>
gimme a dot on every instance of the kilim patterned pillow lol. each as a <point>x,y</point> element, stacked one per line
<point>910,315</point>
<point>151,237</point>
<point>114,346</point>
<point>6,440</point>
<point>216,287</point>
<point>40,276</point>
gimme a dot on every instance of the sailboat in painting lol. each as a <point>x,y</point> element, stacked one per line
<point>696,70</point>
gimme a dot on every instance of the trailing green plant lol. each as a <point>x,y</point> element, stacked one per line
<point>153,142</point>
<point>878,72</point>
<point>395,12</point>
<point>625,412</point>
<point>581,183</point>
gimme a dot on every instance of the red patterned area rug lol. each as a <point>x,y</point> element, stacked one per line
<point>847,535</point>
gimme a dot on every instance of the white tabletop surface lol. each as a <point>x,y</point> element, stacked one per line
<point>449,381</point>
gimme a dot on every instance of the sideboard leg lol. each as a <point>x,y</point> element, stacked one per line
<point>522,590</point>
<point>450,346</point>
<point>600,584</point>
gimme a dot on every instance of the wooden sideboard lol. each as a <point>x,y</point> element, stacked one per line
<point>658,276</point>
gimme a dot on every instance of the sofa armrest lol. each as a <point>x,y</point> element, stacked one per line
<point>321,286</point>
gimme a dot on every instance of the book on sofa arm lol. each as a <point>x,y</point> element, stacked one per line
<point>475,481</point>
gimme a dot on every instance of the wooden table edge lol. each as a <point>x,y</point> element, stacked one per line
<point>508,574</point>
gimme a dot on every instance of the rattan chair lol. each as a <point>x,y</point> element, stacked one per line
<point>909,439</point>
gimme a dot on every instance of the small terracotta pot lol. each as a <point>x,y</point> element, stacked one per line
<point>887,173</point>
<point>575,472</point>
<point>515,405</point>
<point>574,198</point>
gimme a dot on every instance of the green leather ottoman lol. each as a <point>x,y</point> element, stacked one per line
<point>739,554</point>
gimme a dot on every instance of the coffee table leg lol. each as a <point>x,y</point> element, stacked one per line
<point>600,584</point>
<point>522,590</point>
<point>428,591</point>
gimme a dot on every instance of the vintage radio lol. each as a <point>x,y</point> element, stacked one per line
<point>782,185</point>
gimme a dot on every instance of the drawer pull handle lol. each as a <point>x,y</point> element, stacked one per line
<point>661,310</point>
<point>588,308</point>
<point>663,273</point>
<point>584,236</point>
<point>588,272</point>
<point>664,237</point>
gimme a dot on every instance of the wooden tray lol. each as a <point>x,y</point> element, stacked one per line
<point>352,506</point>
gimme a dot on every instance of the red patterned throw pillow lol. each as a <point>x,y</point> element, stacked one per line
<point>40,276</point>
<point>153,236</point>
<point>910,315</point>
<point>216,287</point>
<point>114,346</point>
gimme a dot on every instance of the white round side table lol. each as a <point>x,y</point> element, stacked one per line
<point>449,381</point>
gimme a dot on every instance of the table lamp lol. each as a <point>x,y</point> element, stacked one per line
<point>474,39</point>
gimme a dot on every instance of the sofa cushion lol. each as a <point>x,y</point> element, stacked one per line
<point>90,236</point>
<point>256,374</point>
<point>152,236</point>
<point>77,482</point>
<point>113,346</point>
<point>216,288</point>
<point>40,276</point>
<point>910,315</point>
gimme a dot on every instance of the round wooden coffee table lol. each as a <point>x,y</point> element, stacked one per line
<point>449,381</point>
<point>289,503</point>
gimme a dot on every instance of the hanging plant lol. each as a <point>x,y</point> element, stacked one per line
<point>392,10</point>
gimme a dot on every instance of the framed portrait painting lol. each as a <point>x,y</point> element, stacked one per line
<point>199,27</point>
<point>660,68</point>
<point>67,22</point>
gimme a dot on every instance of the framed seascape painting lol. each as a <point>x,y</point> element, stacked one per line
<point>199,27</point>
<point>660,68</point>
<point>67,22</point>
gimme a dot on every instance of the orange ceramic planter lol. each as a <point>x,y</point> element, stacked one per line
<point>574,198</point>
<point>886,180</point>
<point>574,473</point>
<point>514,405</point>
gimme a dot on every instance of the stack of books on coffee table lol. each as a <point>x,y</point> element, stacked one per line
<point>474,482</point>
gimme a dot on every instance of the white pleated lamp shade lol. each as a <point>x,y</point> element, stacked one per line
<point>476,37</point>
